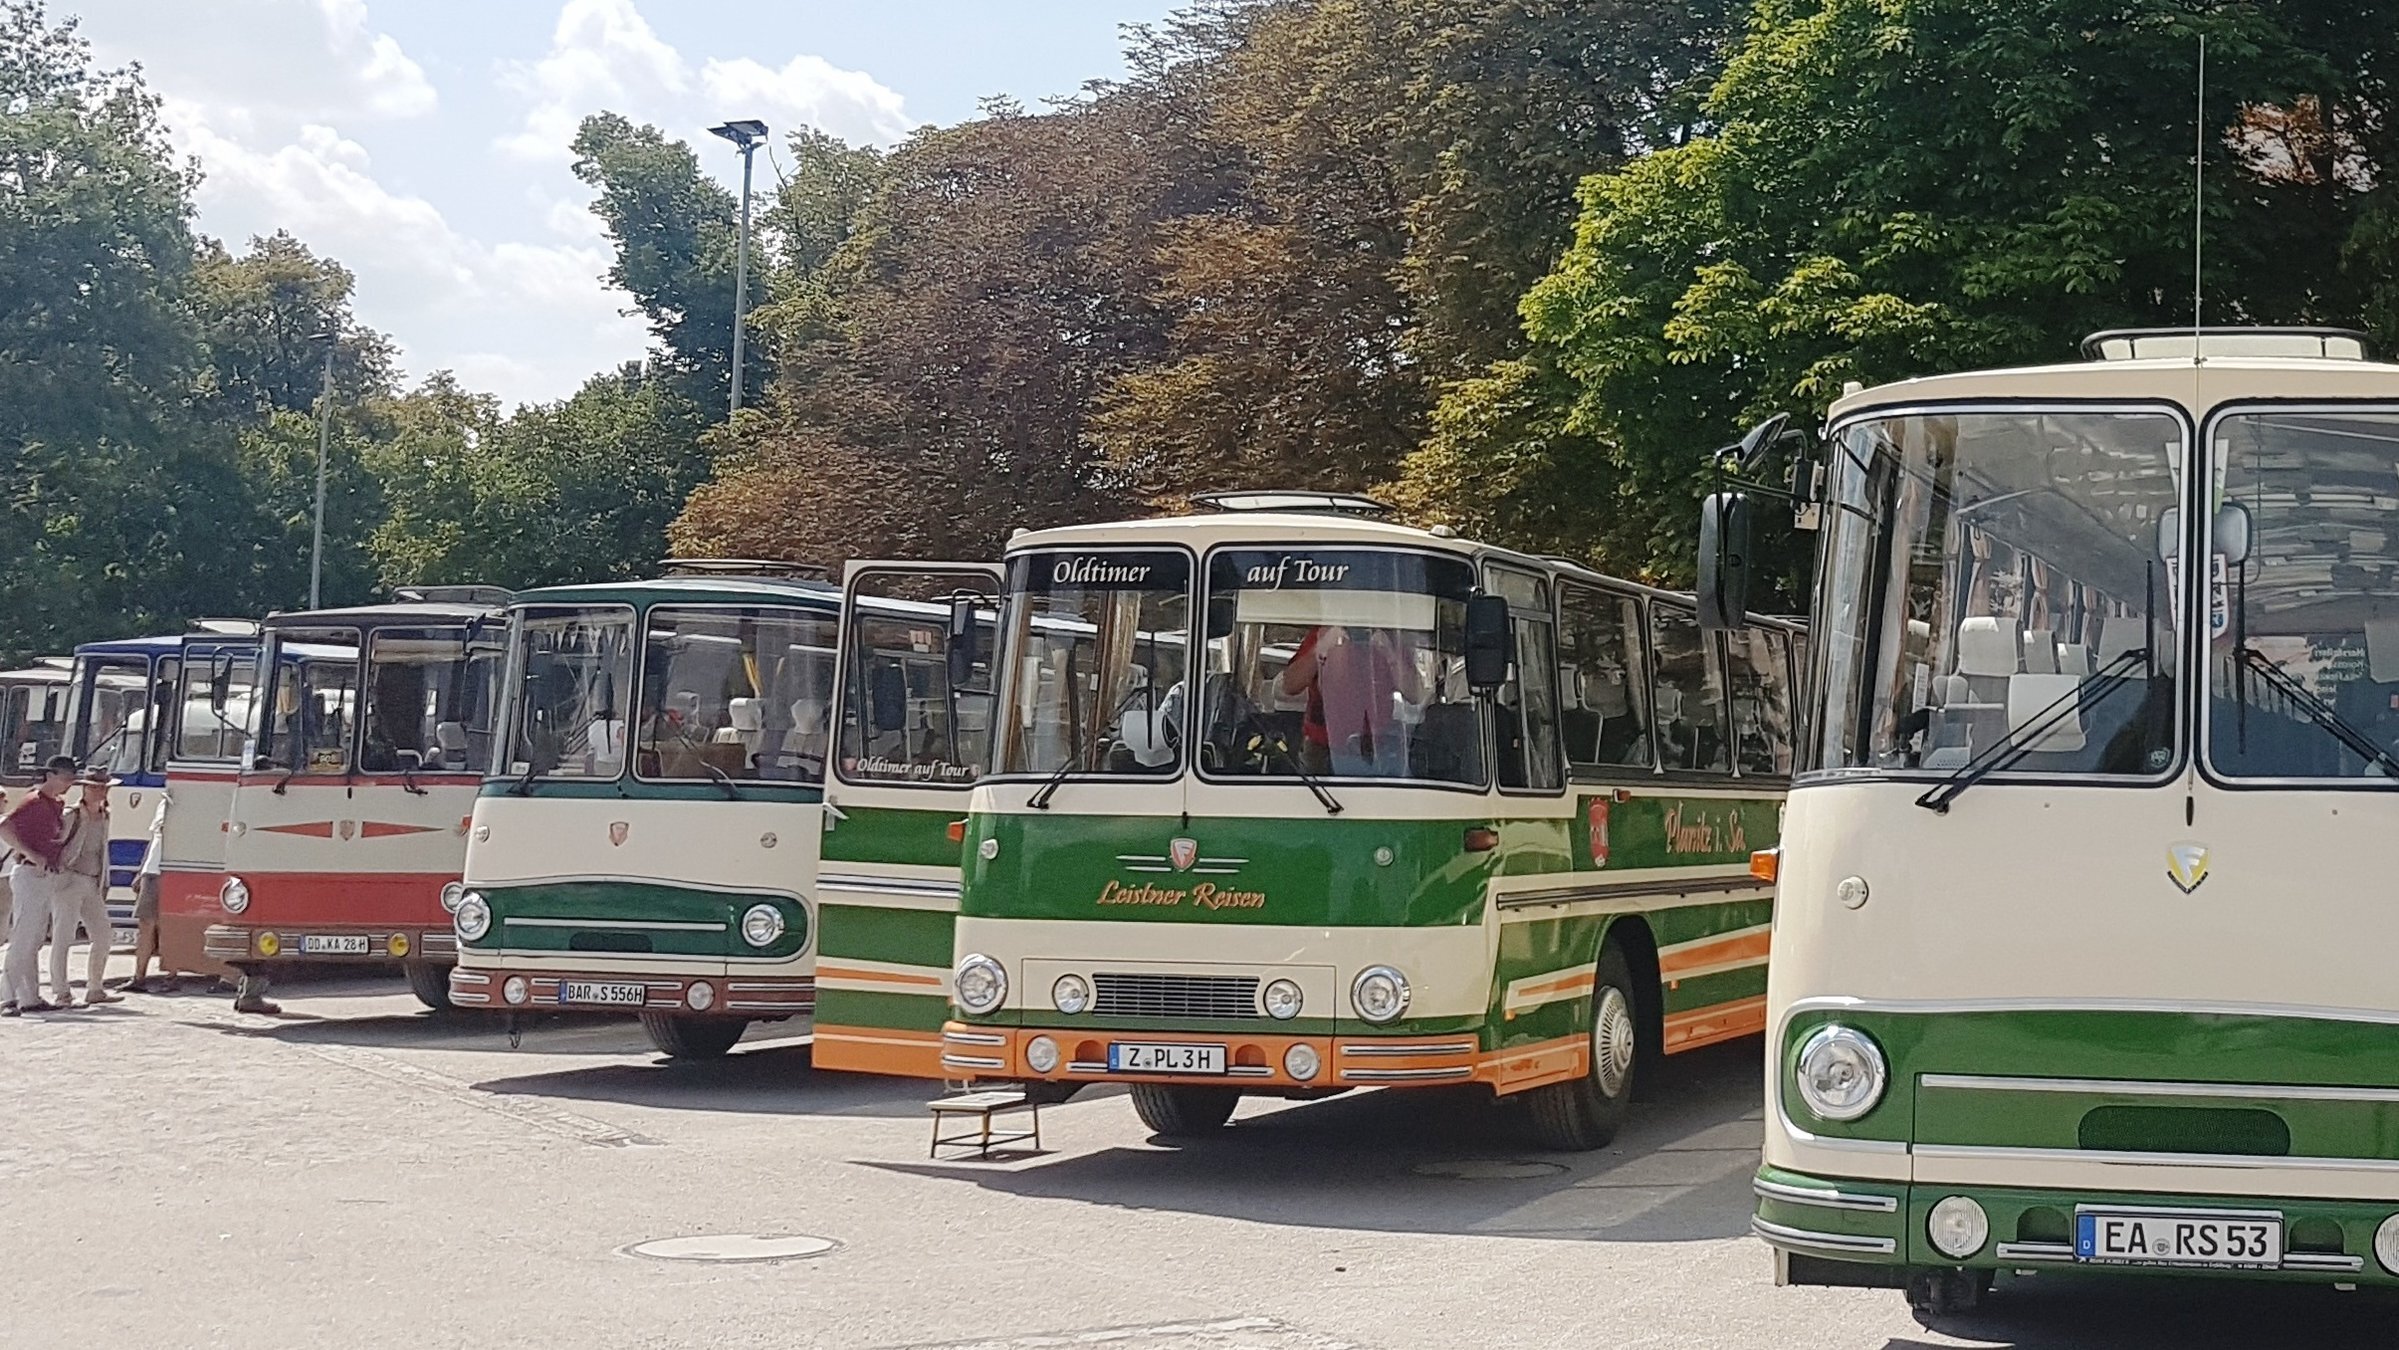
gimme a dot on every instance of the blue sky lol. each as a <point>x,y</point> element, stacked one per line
<point>423,142</point>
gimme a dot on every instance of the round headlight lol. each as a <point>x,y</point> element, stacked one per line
<point>1301,1062</point>
<point>1379,993</point>
<point>515,990</point>
<point>234,895</point>
<point>1071,994</point>
<point>396,944</point>
<point>980,983</point>
<point>700,997</point>
<point>451,893</point>
<point>1041,1054</point>
<point>472,918</point>
<point>1841,1073</point>
<point>1282,999</point>
<point>2386,1244</point>
<point>1958,1227</point>
<point>761,925</point>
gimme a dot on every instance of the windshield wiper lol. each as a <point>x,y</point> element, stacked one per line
<point>723,780</point>
<point>1269,739</point>
<point>2020,739</point>
<point>1040,800</point>
<point>524,784</point>
<point>408,778</point>
<point>2316,710</point>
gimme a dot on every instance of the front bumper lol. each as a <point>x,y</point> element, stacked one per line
<point>744,996</point>
<point>243,944</point>
<point>1254,1060</point>
<point>1881,1223</point>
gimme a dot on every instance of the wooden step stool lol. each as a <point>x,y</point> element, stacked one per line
<point>977,1110</point>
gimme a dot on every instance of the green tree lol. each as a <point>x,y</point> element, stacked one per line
<point>260,314</point>
<point>675,232</point>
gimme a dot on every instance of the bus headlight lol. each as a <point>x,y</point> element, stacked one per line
<point>2386,1244</point>
<point>472,918</point>
<point>700,997</point>
<point>1958,1227</point>
<point>1041,1055</point>
<point>516,989</point>
<point>761,925</point>
<point>980,984</point>
<point>1380,993</point>
<point>1282,1000</point>
<point>234,895</point>
<point>1071,994</point>
<point>451,893</point>
<point>1300,1061</point>
<point>1840,1073</point>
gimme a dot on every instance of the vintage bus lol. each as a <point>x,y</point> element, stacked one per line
<point>33,719</point>
<point>657,838</point>
<point>2068,970</point>
<point>1287,799</point>
<point>367,732</point>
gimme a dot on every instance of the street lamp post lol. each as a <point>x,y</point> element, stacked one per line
<point>316,548</point>
<point>747,135</point>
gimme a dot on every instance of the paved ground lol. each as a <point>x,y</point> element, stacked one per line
<point>363,1174</point>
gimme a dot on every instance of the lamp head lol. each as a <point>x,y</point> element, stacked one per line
<point>744,133</point>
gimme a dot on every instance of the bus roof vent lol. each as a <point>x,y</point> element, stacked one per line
<point>226,627</point>
<point>2134,344</point>
<point>1324,503</point>
<point>744,567</point>
<point>491,597</point>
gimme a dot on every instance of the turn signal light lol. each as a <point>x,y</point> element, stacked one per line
<point>1481,839</point>
<point>1766,864</point>
<point>957,831</point>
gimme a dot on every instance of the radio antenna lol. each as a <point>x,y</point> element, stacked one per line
<point>2199,202</point>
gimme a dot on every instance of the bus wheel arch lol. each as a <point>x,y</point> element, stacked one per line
<point>1632,934</point>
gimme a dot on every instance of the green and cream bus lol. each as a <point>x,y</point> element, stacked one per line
<point>1287,800</point>
<point>657,839</point>
<point>2077,958</point>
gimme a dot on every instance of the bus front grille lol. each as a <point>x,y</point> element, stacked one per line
<point>1225,996</point>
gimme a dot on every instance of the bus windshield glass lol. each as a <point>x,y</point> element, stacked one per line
<point>111,712</point>
<point>2303,668</point>
<point>1094,645</point>
<point>573,694</point>
<point>308,721</point>
<point>1992,583</point>
<point>1339,663</point>
<point>735,694</point>
<point>429,700</point>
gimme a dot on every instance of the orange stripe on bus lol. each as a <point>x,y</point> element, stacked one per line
<point>901,1054</point>
<point>1739,947</point>
<point>1719,1022</point>
<point>1579,982</point>
<point>878,977</point>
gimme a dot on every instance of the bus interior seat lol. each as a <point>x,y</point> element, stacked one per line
<point>2040,652</point>
<point>2073,658</point>
<point>745,724</point>
<point>450,744</point>
<point>2031,695</point>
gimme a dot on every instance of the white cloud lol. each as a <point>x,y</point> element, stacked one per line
<point>318,60</point>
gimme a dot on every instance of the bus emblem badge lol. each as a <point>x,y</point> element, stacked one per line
<point>1598,821</point>
<point>617,830</point>
<point>348,828</point>
<point>2186,866</point>
<point>1182,853</point>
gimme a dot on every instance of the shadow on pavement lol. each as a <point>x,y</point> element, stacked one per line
<point>1431,1161</point>
<point>2066,1311</point>
<point>770,1080</point>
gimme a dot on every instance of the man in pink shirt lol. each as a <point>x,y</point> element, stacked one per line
<point>36,830</point>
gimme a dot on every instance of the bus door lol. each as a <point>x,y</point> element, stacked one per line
<point>212,701</point>
<point>912,729</point>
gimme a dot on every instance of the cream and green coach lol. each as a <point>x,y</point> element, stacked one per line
<point>1286,799</point>
<point>2081,961</point>
<point>657,838</point>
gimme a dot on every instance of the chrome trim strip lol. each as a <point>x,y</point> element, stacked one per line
<point>1406,1075</point>
<point>771,987</point>
<point>973,1038</point>
<point>1248,1071</point>
<point>1845,1003</point>
<point>1825,1197</point>
<point>1836,1143</point>
<point>1086,1066</point>
<point>2113,1158</point>
<point>872,885</point>
<point>2324,1261</point>
<point>970,1062</point>
<point>1373,1050</point>
<point>2035,1251</point>
<point>1781,1236</point>
<point>1563,895</point>
<point>647,925</point>
<point>2135,1088</point>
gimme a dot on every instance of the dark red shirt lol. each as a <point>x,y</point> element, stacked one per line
<point>38,822</point>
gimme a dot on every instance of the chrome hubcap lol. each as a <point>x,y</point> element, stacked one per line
<point>1612,1041</point>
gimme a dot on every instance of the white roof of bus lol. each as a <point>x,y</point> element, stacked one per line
<point>2195,385</point>
<point>36,675</point>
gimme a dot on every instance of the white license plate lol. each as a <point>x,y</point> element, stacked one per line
<point>1131,1057</point>
<point>595,991</point>
<point>2168,1237</point>
<point>323,944</point>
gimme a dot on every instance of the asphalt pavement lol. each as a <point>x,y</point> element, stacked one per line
<point>361,1173</point>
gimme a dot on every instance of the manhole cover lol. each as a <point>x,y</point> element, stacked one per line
<point>1488,1169</point>
<point>733,1247</point>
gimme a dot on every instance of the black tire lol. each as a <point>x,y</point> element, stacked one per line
<point>1177,1110</point>
<point>1947,1293</point>
<point>1585,1113</point>
<point>430,983</point>
<point>692,1037</point>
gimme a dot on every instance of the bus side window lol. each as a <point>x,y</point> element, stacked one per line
<point>1527,712</point>
<point>1760,677</point>
<point>1691,716</point>
<point>1604,678</point>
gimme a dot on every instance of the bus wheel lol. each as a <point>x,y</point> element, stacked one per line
<point>430,983</point>
<point>1948,1293</point>
<point>1175,1110</point>
<point>1585,1113</point>
<point>692,1037</point>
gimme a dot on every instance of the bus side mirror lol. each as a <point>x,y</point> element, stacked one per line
<point>887,697</point>
<point>1724,543</point>
<point>220,684</point>
<point>962,642</point>
<point>2232,533</point>
<point>1489,645</point>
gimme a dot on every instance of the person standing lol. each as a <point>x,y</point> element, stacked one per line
<point>34,829</point>
<point>81,897</point>
<point>145,905</point>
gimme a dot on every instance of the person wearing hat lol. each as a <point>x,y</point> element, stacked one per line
<point>35,829</point>
<point>82,895</point>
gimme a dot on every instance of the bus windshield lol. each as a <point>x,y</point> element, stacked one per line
<point>1994,578</point>
<point>574,684</point>
<point>429,700</point>
<point>735,694</point>
<point>307,724</point>
<point>2303,669</point>
<point>1093,650</point>
<point>1342,663</point>
<point>112,711</point>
